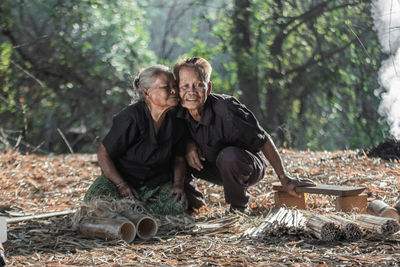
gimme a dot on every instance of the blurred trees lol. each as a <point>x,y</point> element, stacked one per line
<point>306,68</point>
<point>66,65</point>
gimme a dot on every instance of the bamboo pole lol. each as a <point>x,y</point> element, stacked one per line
<point>323,227</point>
<point>350,230</point>
<point>380,208</point>
<point>146,226</point>
<point>107,228</point>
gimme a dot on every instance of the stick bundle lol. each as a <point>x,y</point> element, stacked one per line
<point>279,222</point>
<point>323,228</point>
<point>379,225</point>
<point>349,229</point>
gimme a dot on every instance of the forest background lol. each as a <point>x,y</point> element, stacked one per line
<point>307,69</point>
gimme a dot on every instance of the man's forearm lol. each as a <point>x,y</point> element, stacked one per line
<point>272,155</point>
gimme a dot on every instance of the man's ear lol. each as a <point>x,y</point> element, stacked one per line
<point>209,88</point>
<point>145,91</point>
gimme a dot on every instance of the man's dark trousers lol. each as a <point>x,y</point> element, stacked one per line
<point>236,169</point>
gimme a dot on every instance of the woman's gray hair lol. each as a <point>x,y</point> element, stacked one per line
<point>146,77</point>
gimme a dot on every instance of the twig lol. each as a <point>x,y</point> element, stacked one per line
<point>65,140</point>
<point>40,216</point>
<point>29,74</point>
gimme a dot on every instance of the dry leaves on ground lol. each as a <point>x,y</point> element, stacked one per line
<point>33,184</point>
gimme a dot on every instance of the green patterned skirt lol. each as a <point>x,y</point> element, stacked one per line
<point>158,200</point>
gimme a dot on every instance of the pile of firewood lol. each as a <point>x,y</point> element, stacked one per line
<point>325,227</point>
<point>278,222</point>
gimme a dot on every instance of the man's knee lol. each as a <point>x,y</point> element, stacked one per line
<point>229,156</point>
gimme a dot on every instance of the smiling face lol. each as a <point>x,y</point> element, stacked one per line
<point>193,91</point>
<point>162,92</point>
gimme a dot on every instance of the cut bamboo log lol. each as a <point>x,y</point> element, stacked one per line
<point>146,226</point>
<point>380,208</point>
<point>323,228</point>
<point>350,230</point>
<point>107,228</point>
<point>378,225</point>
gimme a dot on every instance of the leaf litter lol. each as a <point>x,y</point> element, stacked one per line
<point>37,184</point>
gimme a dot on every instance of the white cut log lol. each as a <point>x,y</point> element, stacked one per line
<point>380,208</point>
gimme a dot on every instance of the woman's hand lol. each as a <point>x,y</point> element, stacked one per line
<point>125,190</point>
<point>180,195</point>
<point>289,184</point>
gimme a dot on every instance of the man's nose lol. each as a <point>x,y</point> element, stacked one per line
<point>193,88</point>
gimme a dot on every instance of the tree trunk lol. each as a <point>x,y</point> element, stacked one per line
<point>243,53</point>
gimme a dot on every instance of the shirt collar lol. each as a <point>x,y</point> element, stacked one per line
<point>165,131</point>
<point>206,116</point>
<point>149,118</point>
<point>208,112</point>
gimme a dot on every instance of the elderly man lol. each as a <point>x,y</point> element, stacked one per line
<point>228,144</point>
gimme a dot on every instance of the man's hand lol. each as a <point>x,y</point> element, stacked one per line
<point>180,195</point>
<point>193,156</point>
<point>125,190</point>
<point>289,184</point>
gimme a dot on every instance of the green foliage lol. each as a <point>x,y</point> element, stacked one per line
<point>73,66</point>
<point>309,71</point>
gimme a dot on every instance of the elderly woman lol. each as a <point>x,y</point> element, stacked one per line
<point>143,153</point>
<point>229,144</point>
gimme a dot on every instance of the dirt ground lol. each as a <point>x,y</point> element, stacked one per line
<point>33,184</point>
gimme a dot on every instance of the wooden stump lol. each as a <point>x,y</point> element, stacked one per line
<point>284,199</point>
<point>352,203</point>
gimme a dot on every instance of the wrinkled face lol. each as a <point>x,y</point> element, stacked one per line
<point>192,90</point>
<point>162,92</point>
